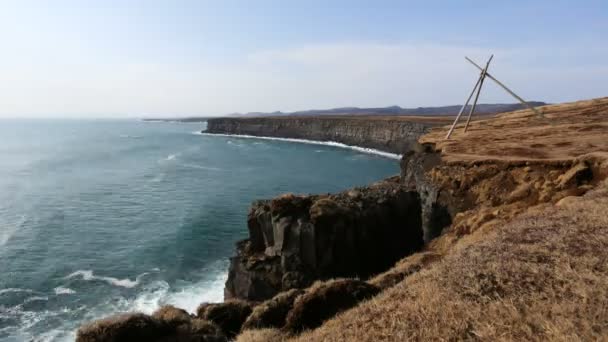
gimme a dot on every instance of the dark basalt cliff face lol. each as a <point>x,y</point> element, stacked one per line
<point>385,134</point>
<point>294,240</point>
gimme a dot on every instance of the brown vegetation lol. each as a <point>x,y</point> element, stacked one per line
<point>543,276</point>
<point>229,316</point>
<point>524,257</point>
<point>168,324</point>
<point>567,131</point>
<point>325,299</point>
<point>262,335</point>
<point>272,313</point>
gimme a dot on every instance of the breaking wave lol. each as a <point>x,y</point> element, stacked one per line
<point>12,290</point>
<point>60,290</point>
<point>87,275</point>
<point>313,142</point>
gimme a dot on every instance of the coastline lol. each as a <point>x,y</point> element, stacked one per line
<point>310,142</point>
<point>473,213</point>
<point>396,135</point>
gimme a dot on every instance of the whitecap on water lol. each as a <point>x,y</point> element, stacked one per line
<point>210,290</point>
<point>187,297</point>
<point>60,290</point>
<point>14,289</point>
<point>150,296</point>
<point>35,299</point>
<point>88,275</point>
<point>169,157</point>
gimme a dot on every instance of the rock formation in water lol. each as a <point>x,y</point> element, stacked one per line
<point>395,135</point>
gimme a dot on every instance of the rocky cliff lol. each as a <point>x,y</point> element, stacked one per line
<point>493,231</point>
<point>294,240</point>
<point>396,135</point>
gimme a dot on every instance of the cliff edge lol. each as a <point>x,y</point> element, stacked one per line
<point>496,234</point>
<point>389,134</point>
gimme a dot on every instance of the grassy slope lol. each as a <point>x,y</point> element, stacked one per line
<point>543,276</point>
<point>538,273</point>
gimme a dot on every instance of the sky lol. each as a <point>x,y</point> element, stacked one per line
<point>128,58</point>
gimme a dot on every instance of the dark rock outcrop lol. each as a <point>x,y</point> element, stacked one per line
<point>385,134</point>
<point>295,240</point>
<point>229,316</point>
<point>324,300</point>
<point>436,210</point>
<point>127,327</point>
<point>166,325</point>
<point>172,315</point>
<point>273,312</point>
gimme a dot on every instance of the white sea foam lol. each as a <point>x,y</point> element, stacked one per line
<point>35,299</point>
<point>313,142</point>
<point>88,275</point>
<point>172,156</point>
<point>188,296</point>
<point>14,289</point>
<point>151,296</point>
<point>210,291</point>
<point>60,290</point>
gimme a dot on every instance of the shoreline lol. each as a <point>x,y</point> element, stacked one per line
<point>310,142</point>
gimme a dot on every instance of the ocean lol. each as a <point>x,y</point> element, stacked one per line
<point>105,216</point>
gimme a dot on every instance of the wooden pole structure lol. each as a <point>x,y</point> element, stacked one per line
<point>463,107</point>
<point>484,72</point>
<point>508,90</point>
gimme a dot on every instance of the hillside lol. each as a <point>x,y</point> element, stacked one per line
<point>524,256</point>
<point>481,109</point>
<point>498,234</point>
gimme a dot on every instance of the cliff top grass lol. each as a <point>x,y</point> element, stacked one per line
<point>567,131</point>
<point>532,264</point>
<point>543,276</point>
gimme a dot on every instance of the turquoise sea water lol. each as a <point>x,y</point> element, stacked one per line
<point>98,217</point>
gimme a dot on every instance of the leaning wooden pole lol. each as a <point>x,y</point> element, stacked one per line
<point>462,109</point>
<point>508,90</point>
<point>484,72</point>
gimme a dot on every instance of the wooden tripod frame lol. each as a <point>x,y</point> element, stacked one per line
<point>484,73</point>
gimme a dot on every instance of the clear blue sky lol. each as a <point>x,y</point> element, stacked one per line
<point>176,58</point>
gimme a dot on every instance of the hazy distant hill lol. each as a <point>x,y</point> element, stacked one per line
<point>484,108</point>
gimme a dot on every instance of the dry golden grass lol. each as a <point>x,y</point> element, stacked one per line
<point>544,276</point>
<point>262,335</point>
<point>525,259</point>
<point>568,130</point>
